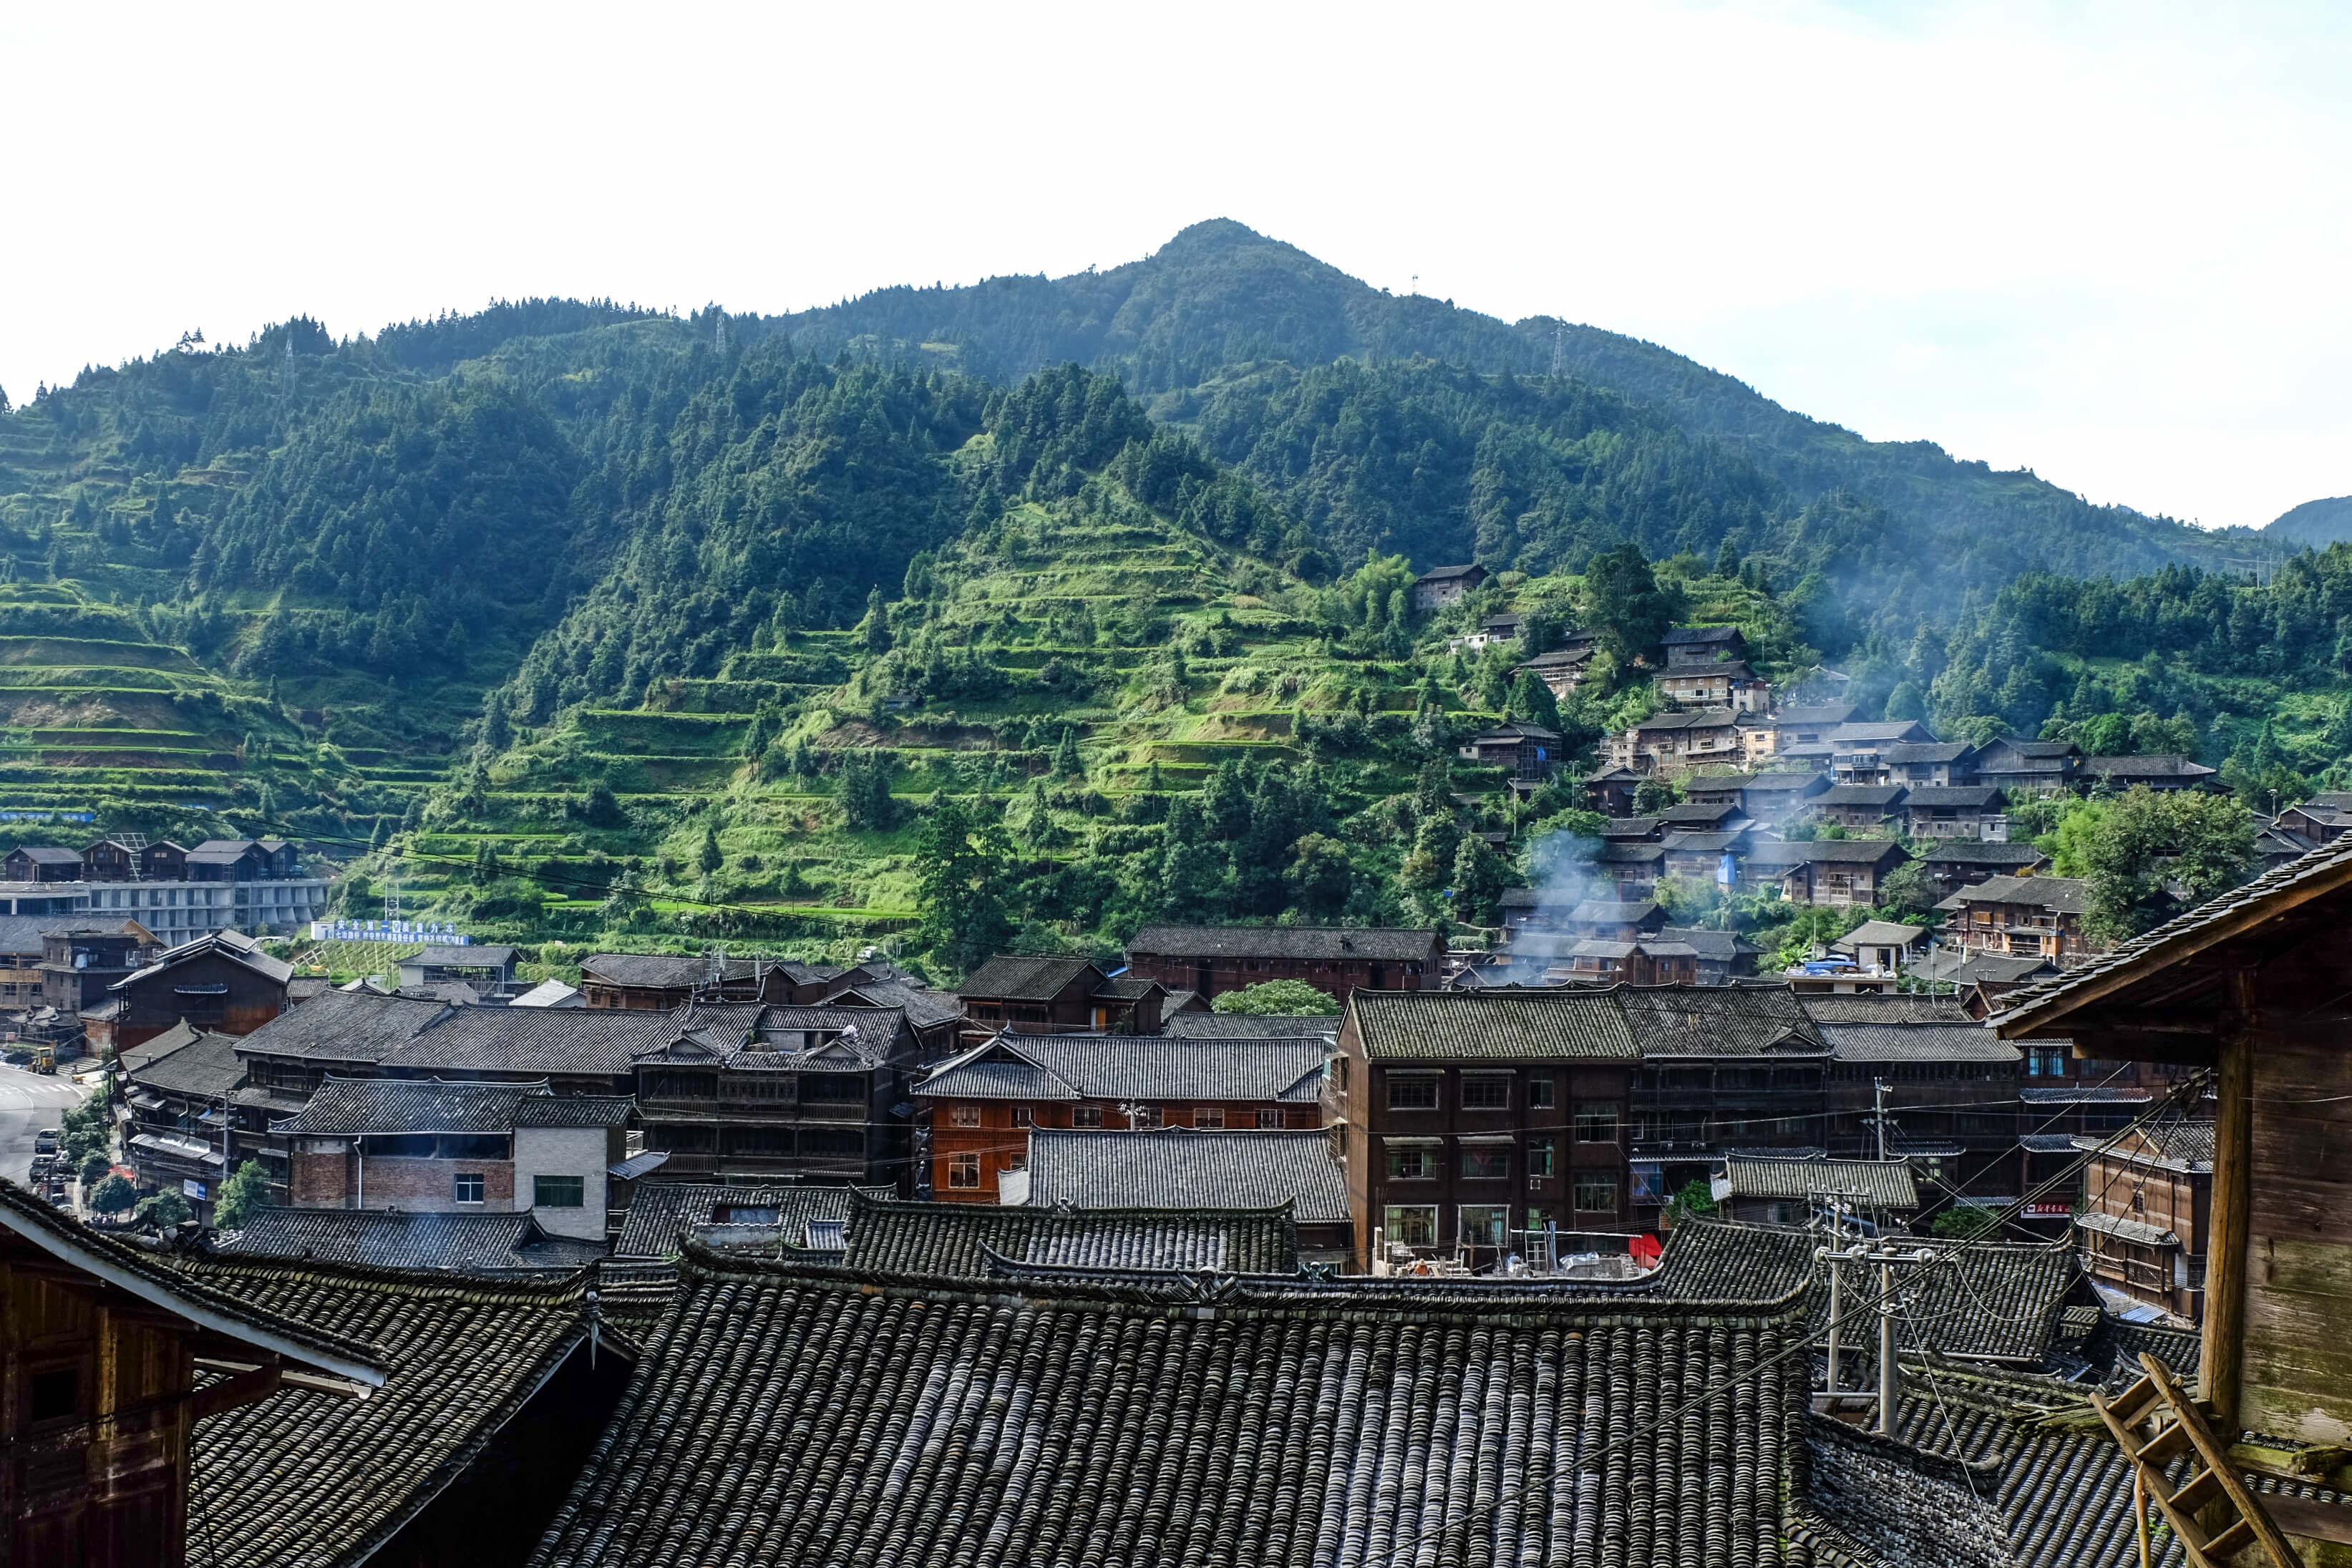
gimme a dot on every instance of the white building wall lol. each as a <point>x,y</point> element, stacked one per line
<point>563,1151</point>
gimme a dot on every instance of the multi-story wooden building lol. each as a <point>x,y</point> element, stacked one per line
<point>1951,1090</point>
<point>1675,742</point>
<point>1858,752</point>
<point>2024,917</point>
<point>2147,1212</point>
<point>657,982</point>
<point>747,1091</point>
<point>1442,585</point>
<point>80,961</point>
<point>2025,767</point>
<point>1943,764</point>
<point>1469,1118</point>
<point>1211,959</point>
<point>1953,811</point>
<point>1826,871</point>
<point>42,863</point>
<point>221,982</point>
<point>1528,753</point>
<point>101,1349</point>
<point>1721,1067</point>
<point>1052,995</point>
<point>1863,806</point>
<point>980,1103</point>
<point>1955,863</point>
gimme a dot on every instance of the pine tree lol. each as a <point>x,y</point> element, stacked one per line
<point>873,632</point>
<point>1067,764</point>
<point>712,857</point>
<point>497,732</point>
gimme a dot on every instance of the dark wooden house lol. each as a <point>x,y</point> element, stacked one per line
<point>1722,1068</point>
<point>223,983</point>
<point>656,982</point>
<point>101,1347</point>
<point>42,863</point>
<point>2146,1219</point>
<point>1046,995</point>
<point>2250,988</point>
<point>82,961</point>
<point>1211,959</point>
<point>1442,585</point>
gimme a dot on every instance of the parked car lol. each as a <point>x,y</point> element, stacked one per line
<point>44,1142</point>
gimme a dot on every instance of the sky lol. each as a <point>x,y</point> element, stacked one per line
<point>2109,243</point>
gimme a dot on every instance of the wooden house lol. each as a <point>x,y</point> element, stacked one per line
<point>1052,995</point>
<point>1937,762</point>
<point>1953,811</point>
<point>1856,805</point>
<point>2022,916</point>
<point>2249,988</point>
<point>1561,670</point>
<point>1858,752</point>
<point>42,863</point>
<point>2148,1208</point>
<point>1442,585</point>
<point>657,982</point>
<point>486,967</point>
<point>80,961</point>
<point>2026,766</point>
<point>1826,871</point>
<point>1528,753</point>
<point>102,1347</point>
<point>1795,1189</point>
<point>1181,1171</point>
<point>222,982</point>
<point>1955,863</point>
<point>1610,790</point>
<point>983,1101</point>
<point>1679,742</point>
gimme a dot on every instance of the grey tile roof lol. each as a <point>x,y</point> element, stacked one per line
<point>345,1106</point>
<point>1819,852</point>
<point>2157,766</point>
<point>206,1067</point>
<point>1917,1042</point>
<point>924,1007</point>
<point>1884,795</point>
<point>1508,1025</point>
<point>659,1211</point>
<point>918,1422</point>
<point>2323,871</point>
<point>1188,1169</point>
<point>303,1478</point>
<point>1688,636</point>
<point>1718,946</point>
<point>1329,943</point>
<point>1965,797</point>
<point>1131,1067</point>
<point>234,946</point>
<point>1882,1183</point>
<point>1720,1020</point>
<point>466,955</point>
<point>1029,980</point>
<point>1252,1026</point>
<point>1690,815</point>
<point>2059,895</point>
<point>1893,731</point>
<point>1904,752</point>
<point>2086,1095</point>
<point>404,1033</point>
<point>955,1238</point>
<point>1700,719</point>
<point>459,1243</point>
<point>1611,912</point>
<point>1629,854</point>
<point>1879,934</point>
<point>2177,1143</point>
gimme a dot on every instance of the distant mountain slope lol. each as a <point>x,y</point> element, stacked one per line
<point>1219,294</point>
<point>2315,523</point>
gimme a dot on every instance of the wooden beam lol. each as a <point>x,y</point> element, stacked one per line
<point>242,1389</point>
<point>2219,1366</point>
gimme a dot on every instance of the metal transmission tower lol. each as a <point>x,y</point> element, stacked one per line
<point>1558,347</point>
<point>135,845</point>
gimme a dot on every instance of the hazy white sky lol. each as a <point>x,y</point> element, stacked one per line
<point>2107,242</point>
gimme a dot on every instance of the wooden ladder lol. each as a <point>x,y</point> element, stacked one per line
<point>2155,1419</point>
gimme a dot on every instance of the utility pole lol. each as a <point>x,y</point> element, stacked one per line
<point>1837,1283</point>
<point>1878,1115</point>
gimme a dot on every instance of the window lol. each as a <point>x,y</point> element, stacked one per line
<point>837,1088</point>
<point>963,1116</point>
<point>1539,1092</point>
<point>56,1395</point>
<point>1411,1163</point>
<point>963,1170</point>
<point>1086,1115</point>
<point>1270,1118</point>
<point>470,1187</point>
<point>1596,1123</point>
<point>1410,1225</point>
<point>1025,1115</point>
<point>1484,1224</point>
<point>1538,1158</point>
<point>1416,1092</point>
<point>1486,1092</point>
<point>1485,1162</point>
<point>1146,1116</point>
<point>558,1192</point>
<point>1596,1194</point>
<point>760,1141</point>
<point>1209,1116</point>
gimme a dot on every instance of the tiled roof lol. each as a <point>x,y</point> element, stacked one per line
<point>1904,752</point>
<point>205,1066</point>
<point>1611,912</point>
<point>1966,1041</point>
<point>1697,815</point>
<point>1503,1024</point>
<point>1630,827</point>
<point>660,1210</point>
<point>924,1007</point>
<point>920,1422</point>
<point>1629,854</point>
<point>1703,844</point>
<point>464,1243</point>
<point>148,1278</point>
<point>1686,636</point>
<point>1029,980</point>
<point>463,955</point>
<point>2159,766</point>
<point>1515,731</point>
<point>234,946</point>
<point>1817,851</point>
<point>1131,1067</point>
<point>1252,1026</point>
<point>2086,1095</point>
<point>302,1478</point>
<point>400,1032</point>
<point>1698,718</point>
<point>2181,1144</point>
<point>2059,895</point>
<point>2322,871</point>
<point>1879,934</point>
<point>1720,1020</point>
<point>1884,795</point>
<point>1976,796</point>
<point>1895,731</point>
<point>1444,573</point>
<point>1331,944</point>
<point>955,1238</point>
<point>1774,781</point>
<point>1882,1183</point>
<point>1830,714</point>
<point>1720,947</point>
<point>49,854</point>
<point>352,1105</point>
<point>657,971</point>
<point>1188,1169</point>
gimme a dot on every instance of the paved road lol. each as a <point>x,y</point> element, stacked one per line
<point>29,1103</point>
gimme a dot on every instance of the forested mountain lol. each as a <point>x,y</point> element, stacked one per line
<point>2315,524</point>
<point>678,615</point>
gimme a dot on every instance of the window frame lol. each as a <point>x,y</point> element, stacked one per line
<point>1397,1217</point>
<point>1424,1160</point>
<point>460,1180</point>
<point>1486,1084</point>
<point>1580,1182</point>
<point>558,1191</point>
<point>1421,1082</point>
<point>963,1114</point>
<point>1269,1119</point>
<point>1212,1117</point>
<point>1086,1116</point>
<point>1493,1161</point>
<point>1542,1092</point>
<point>1590,1113</point>
<point>1488,1214</point>
<point>963,1171</point>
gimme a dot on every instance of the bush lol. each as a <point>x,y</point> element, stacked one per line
<point>244,1191</point>
<point>114,1195</point>
<point>163,1210</point>
<point>1270,997</point>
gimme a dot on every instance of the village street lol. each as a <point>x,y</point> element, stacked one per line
<point>29,1102</point>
